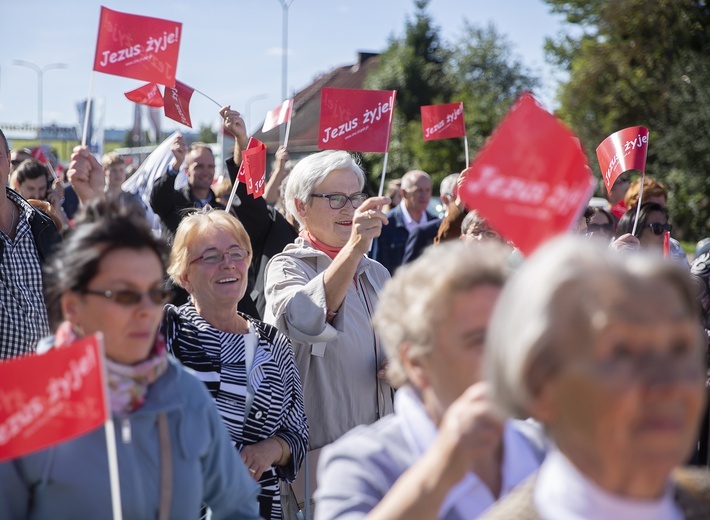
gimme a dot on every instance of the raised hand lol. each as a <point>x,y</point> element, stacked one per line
<point>86,175</point>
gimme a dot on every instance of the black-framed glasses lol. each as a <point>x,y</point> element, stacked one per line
<point>128,297</point>
<point>607,229</point>
<point>338,200</point>
<point>484,233</point>
<point>658,229</point>
<point>213,256</point>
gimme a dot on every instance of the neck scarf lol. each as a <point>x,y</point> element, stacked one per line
<point>331,251</point>
<point>127,384</point>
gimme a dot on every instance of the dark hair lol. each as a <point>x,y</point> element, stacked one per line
<point>31,169</point>
<point>4,140</point>
<point>626,223</point>
<point>103,226</point>
<point>608,214</point>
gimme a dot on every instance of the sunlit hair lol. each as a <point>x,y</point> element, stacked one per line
<point>30,169</point>
<point>313,170</point>
<point>472,218</point>
<point>409,179</point>
<point>112,160</point>
<point>651,189</point>
<point>626,222</point>
<point>448,184</point>
<point>191,227</point>
<point>415,302</point>
<point>557,301</point>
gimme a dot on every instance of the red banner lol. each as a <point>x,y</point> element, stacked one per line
<point>278,116</point>
<point>148,94</point>
<point>622,151</point>
<point>443,121</point>
<point>38,155</point>
<point>531,179</point>
<point>252,171</point>
<point>51,398</point>
<point>355,120</point>
<point>177,103</point>
<point>138,47</point>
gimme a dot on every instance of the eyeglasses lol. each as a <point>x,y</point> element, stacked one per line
<point>338,200</point>
<point>658,229</point>
<point>484,233</point>
<point>607,229</point>
<point>213,256</point>
<point>127,297</point>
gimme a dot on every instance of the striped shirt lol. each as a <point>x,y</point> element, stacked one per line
<point>219,360</point>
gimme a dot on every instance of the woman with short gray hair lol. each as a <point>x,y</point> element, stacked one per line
<point>445,453</point>
<point>605,351</point>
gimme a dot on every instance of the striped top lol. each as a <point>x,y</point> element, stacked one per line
<point>219,360</point>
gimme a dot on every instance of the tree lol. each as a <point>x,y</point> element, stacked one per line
<point>626,62</point>
<point>206,135</point>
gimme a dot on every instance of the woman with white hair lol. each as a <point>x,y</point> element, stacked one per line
<point>321,293</point>
<point>444,453</point>
<point>605,352</point>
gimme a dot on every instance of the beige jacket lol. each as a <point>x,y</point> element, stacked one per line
<point>338,363</point>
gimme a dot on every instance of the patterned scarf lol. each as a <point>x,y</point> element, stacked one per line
<point>127,384</point>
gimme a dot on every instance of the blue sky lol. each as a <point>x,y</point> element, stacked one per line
<point>231,50</point>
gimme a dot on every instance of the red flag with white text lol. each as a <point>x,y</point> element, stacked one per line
<point>51,398</point>
<point>38,155</point>
<point>443,121</point>
<point>531,180</point>
<point>176,103</point>
<point>622,151</point>
<point>355,120</point>
<point>139,47</point>
<point>149,94</point>
<point>252,171</point>
<point>278,116</point>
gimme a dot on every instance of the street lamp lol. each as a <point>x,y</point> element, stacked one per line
<point>285,4</point>
<point>40,93</point>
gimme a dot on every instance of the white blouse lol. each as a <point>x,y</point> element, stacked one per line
<point>562,492</point>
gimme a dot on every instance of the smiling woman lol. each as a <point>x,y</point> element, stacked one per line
<point>247,366</point>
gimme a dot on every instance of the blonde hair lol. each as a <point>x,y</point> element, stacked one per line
<point>111,160</point>
<point>194,224</point>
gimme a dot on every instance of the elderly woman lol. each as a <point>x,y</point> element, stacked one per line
<point>108,277</point>
<point>247,366</point>
<point>475,229</point>
<point>444,453</point>
<point>322,290</point>
<point>605,352</point>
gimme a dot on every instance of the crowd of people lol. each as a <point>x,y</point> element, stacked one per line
<point>321,351</point>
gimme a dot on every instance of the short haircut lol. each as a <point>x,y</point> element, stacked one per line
<point>651,188</point>
<point>194,224</point>
<point>112,160</point>
<point>409,179</point>
<point>30,169</point>
<point>448,184</point>
<point>311,171</point>
<point>557,290</point>
<point>472,218</point>
<point>199,145</point>
<point>419,296</point>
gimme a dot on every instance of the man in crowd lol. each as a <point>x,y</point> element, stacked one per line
<point>17,156</point>
<point>170,203</point>
<point>27,239</point>
<point>411,212</point>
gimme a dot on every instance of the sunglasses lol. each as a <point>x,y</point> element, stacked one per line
<point>338,200</point>
<point>127,297</point>
<point>600,228</point>
<point>212,257</point>
<point>658,229</point>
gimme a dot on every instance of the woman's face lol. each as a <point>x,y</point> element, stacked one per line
<point>629,403</point>
<point>129,330</point>
<point>216,277</point>
<point>648,239</point>
<point>454,363</point>
<point>600,225</point>
<point>331,226</point>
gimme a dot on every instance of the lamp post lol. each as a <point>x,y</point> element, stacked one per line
<point>40,93</point>
<point>285,4</point>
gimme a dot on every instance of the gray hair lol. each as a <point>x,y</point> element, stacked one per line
<point>311,171</point>
<point>415,301</point>
<point>471,219</point>
<point>560,288</point>
<point>448,184</point>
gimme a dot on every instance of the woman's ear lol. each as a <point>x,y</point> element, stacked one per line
<point>300,207</point>
<point>185,282</point>
<point>413,367</point>
<point>69,303</point>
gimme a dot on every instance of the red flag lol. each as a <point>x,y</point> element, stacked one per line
<point>138,47</point>
<point>443,121</point>
<point>51,398</point>
<point>252,171</point>
<point>278,116</point>
<point>531,179</point>
<point>38,155</point>
<point>177,103</point>
<point>667,245</point>
<point>149,94</point>
<point>622,151</point>
<point>355,120</point>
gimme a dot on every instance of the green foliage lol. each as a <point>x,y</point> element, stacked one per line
<point>633,62</point>
<point>206,135</point>
<point>480,70</point>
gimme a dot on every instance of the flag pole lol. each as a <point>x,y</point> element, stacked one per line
<point>88,110</point>
<point>213,101</point>
<point>232,195</point>
<point>387,153</point>
<point>288,129</point>
<point>382,179</point>
<point>638,204</point>
<point>465,148</point>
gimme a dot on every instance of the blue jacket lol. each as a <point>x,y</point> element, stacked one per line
<point>71,480</point>
<point>388,249</point>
